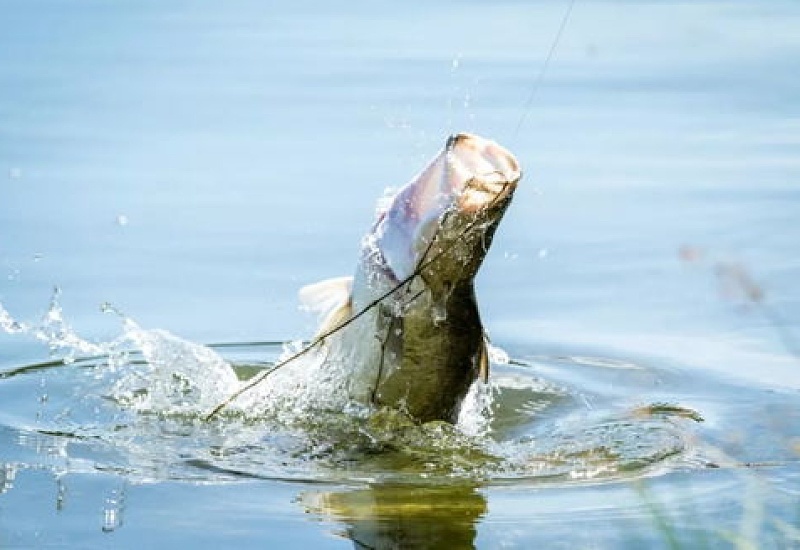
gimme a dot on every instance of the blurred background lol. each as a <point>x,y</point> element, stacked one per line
<point>194,164</point>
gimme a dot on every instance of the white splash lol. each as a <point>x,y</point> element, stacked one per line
<point>54,331</point>
<point>154,371</point>
<point>60,337</point>
<point>497,355</point>
<point>315,382</point>
<point>176,376</point>
<point>171,376</point>
<point>8,324</point>
<point>475,416</point>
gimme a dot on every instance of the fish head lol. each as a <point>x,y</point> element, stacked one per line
<point>441,223</point>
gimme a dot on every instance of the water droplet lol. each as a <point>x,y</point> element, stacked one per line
<point>510,255</point>
<point>112,511</point>
<point>498,355</point>
<point>37,257</point>
<point>7,475</point>
<point>61,493</point>
<point>122,220</point>
<point>111,519</point>
<point>8,324</point>
<point>543,253</point>
<point>108,307</point>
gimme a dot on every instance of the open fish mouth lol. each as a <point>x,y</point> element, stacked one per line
<point>482,172</point>
<point>469,176</point>
<point>481,191</point>
<point>405,330</point>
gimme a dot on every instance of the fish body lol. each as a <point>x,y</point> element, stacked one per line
<point>406,330</point>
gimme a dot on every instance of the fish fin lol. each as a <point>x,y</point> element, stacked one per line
<point>483,360</point>
<point>330,299</point>
<point>335,318</point>
<point>327,295</point>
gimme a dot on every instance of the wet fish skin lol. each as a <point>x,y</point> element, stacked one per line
<point>420,348</point>
<point>431,365</point>
<point>436,337</point>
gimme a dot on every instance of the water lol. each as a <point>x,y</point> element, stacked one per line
<point>195,164</point>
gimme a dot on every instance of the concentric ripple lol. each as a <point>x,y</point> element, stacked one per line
<point>142,412</point>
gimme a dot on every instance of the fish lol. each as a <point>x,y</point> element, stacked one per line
<point>405,330</point>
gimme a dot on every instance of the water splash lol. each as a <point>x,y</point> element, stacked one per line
<point>475,416</point>
<point>315,384</point>
<point>146,393</point>
<point>152,371</point>
<point>176,376</point>
<point>8,475</point>
<point>60,336</point>
<point>172,376</point>
<point>53,330</point>
<point>497,355</point>
<point>113,509</point>
<point>8,324</point>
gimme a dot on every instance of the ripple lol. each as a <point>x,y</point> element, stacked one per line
<point>142,413</point>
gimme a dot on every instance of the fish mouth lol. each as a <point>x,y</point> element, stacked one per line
<point>471,180</point>
<point>481,172</point>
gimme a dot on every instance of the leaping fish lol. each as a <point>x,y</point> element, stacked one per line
<point>406,327</point>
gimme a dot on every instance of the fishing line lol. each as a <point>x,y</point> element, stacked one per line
<point>374,303</point>
<point>540,77</point>
<point>423,264</point>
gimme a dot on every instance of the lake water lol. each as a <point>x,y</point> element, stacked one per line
<point>194,163</point>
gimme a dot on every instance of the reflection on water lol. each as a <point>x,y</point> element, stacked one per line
<point>143,410</point>
<point>557,425</point>
<point>197,162</point>
<point>398,516</point>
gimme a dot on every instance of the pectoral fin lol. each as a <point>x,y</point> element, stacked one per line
<point>483,360</point>
<point>331,299</point>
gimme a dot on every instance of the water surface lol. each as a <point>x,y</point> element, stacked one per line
<point>194,164</point>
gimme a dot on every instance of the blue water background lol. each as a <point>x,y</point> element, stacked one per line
<point>194,163</point>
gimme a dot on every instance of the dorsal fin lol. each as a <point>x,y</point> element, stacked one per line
<point>330,299</point>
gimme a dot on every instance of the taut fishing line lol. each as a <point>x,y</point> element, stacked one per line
<point>425,262</point>
<point>374,303</point>
<point>540,77</point>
